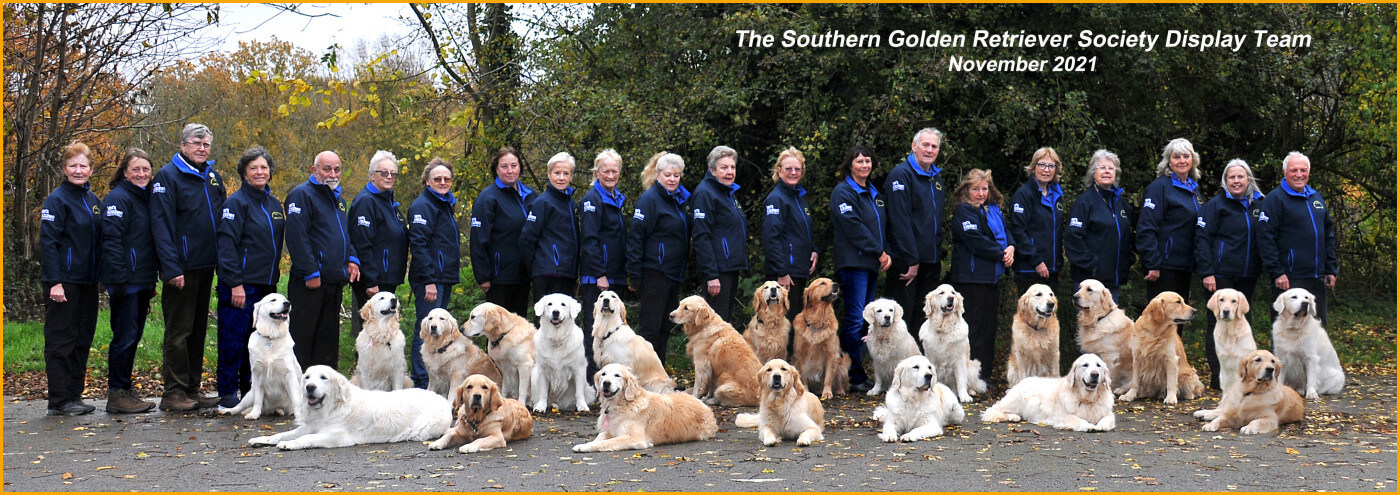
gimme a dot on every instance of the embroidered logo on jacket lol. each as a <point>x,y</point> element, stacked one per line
<point>637,214</point>
<point>362,220</point>
<point>588,206</point>
<point>1016,208</point>
<point>1201,222</point>
<point>113,211</point>
<point>896,186</point>
<point>293,209</point>
<point>44,215</point>
<point>845,208</point>
<point>1263,217</point>
<point>699,214</point>
<point>530,217</point>
<point>228,215</point>
<point>418,219</point>
<point>158,189</point>
<point>476,223</point>
<point>772,210</point>
<point>968,225</point>
<point>1147,203</point>
<point>1074,222</point>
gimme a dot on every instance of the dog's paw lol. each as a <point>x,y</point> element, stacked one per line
<point>1170,399</point>
<point>583,447</point>
<point>1211,426</point>
<point>874,391</point>
<point>251,414</point>
<point>437,445</point>
<point>964,398</point>
<point>1311,395</point>
<point>470,448</point>
<point>290,445</point>
<point>889,437</point>
<point>710,401</point>
<point>225,410</point>
<point>769,439</point>
<point>1128,396</point>
<point>260,441</point>
<point>541,407</point>
<point>826,394</point>
<point>582,407</point>
<point>910,437</point>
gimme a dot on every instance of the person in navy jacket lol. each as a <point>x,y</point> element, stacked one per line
<point>251,228</point>
<point>434,240</point>
<point>858,223</point>
<point>983,248</point>
<point>129,269</point>
<point>914,190</point>
<point>789,257</point>
<point>550,239</point>
<point>1037,222</point>
<point>70,256</point>
<point>1099,236</point>
<point>1166,229</point>
<point>718,234</point>
<point>603,256</point>
<point>186,200</point>
<point>498,215</point>
<point>379,236</point>
<point>658,242</point>
<point>323,261</point>
<point>1296,242</point>
<point>1227,250</point>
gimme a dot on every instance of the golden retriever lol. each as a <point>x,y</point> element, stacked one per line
<point>1035,336</point>
<point>380,346</point>
<point>510,342</point>
<point>615,342</point>
<point>726,370</point>
<point>276,382</point>
<point>1234,339</point>
<point>1257,403</point>
<point>1081,401</point>
<point>451,356</point>
<point>633,418</point>
<point>944,334</point>
<point>816,349</point>
<point>1160,367</point>
<point>917,405</point>
<point>1310,363</point>
<point>336,413</point>
<point>769,330</point>
<point>1105,330</point>
<point>559,377</point>
<point>888,341</point>
<point>786,410</point>
<point>484,418</point>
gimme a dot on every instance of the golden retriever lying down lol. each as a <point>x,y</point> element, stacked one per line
<point>510,342</point>
<point>1160,367</point>
<point>633,418</point>
<point>726,370</point>
<point>615,342</point>
<point>787,410</point>
<point>1258,403</point>
<point>339,414</point>
<point>769,329</point>
<point>1081,401</point>
<point>1310,363</point>
<point>1234,339</point>
<point>816,349</point>
<point>917,405</point>
<point>1105,330</point>
<point>484,418</point>
<point>944,335</point>
<point>450,356</point>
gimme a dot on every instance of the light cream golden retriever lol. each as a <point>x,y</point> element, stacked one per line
<point>769,330</point>
<point>1160,368</point>
<point>1035,336</point>
<point>786,410</point>
<point>726,370</point>
<point>615,342</point>
<point>816,349</point>
<point>380,346</point>
<point>633,418</point>
<point>888,341</point>
<point>559,377</point>
<point>1257,403</point>
<point>451,356</point>
<point>276,381</point>
<point>336,413</point>
<point>510,342</point>
<point>1234,339</point>
<point>1310,363</point>
<point>1081,401</point>
<point>1106,331</point>
<point>917,406</point>
<point>485,419</point>
<point>944,334</point>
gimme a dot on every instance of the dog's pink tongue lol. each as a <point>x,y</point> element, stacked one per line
<point>605,421</point>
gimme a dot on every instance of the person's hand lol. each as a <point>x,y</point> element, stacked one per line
<point>1152,275</point>
<point>631,287</point>
<point>238,296</point>
<point>907,277</point>
<point>713,287</point>
<point>603,283</point>
<point>1042,270</point>
<point>885,262</point>
<point>430,293</point>
<point>1282,282</point>
<point>56,293</point>
<point>314,283</point>
<point>785,281</point>
<point>1008,255</point>
<point>1209,282</point>
<point>178,282</point>
<point>354,270</point>
<point>485,287</point>
<point>1329,280</point>
<point>813,269</point>
<point>372,290</point>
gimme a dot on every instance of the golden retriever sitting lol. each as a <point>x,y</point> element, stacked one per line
<point>888,340</point>
<point>633,418</point>
<point>816,349</point>
<point>917,405</point>
<point>450,356</point>
<point>510,342</point>
<point>1310,363</point>
<point>787,410</point>
<point>944,334</point>
<point>1035,336</point>
<point>726,370</point>
<point>1160,367</point>
<point>380,346</point>
<point>484,418</point>
<point>1106,331</point>
<point>1081,401</point>
<point>615,342</point>
<point>1258,403</point>
<point>769,329</point>
<point>1234,339</point>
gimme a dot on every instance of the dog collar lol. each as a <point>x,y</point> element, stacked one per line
<point>443,348</point>
<point>499,339</point>
<point>1105,315</point>
<point>611,332</point>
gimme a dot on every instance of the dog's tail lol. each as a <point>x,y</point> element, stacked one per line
<point>880,413</point>
<point>974,370</point>
<point>746,420</point>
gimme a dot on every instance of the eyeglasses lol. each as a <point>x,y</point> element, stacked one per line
<point>202,146</point>
<point>444,180</point>
<point>386,173</point>
<point>1046,165</point>
<point>1109,168</point>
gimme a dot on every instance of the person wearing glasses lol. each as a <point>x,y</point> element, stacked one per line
<point>379,236</point>
<point>914,191</point>
<point>1099,236</point>
<point>498,215</point>
<point>434,240</point>
<point>550,238</point>
<point>789,255</point>
<point>323,261</point>
<point>70,240</point>
<point>1036,221</point>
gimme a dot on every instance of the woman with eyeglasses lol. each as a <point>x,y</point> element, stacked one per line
<point>1036,221</point>
<point>378,234</point>
<point>789,256</point>
<point>1099,235</point>
<point>434,242</point>
<point>498,215</point>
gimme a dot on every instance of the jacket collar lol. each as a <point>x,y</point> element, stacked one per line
<point>185,166</point>
<point>861,190</point>
<point>792,190</point>
<point>313,181</point>
<point>680,195</point>
<point>139,191</point>
<point>616,198</point>
<point>77,189</point>
<point>445,198</point>
<point>933,169</point>
<point>709,177</point>
<point>1189,184</point>
<point>263,192</point>
<point>1307,190</point>
<point>520,188</point>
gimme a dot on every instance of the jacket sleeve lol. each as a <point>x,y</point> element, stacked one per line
<point>53,218</point>
<point>483,211</point>
<point>1206,227</point>
<point>114,256</point>
<point>590,263</point>
<point>1149,226</point>
<point>1329,243</point>
<point>1268,236</point>
<point>228,243</point>
<point>1016,224</point>
<point>858,234</point>
<point>970,230</point>
<point>643,222</point>
<point>536,221</point>
<point>1077,249</point>
<point>775,216</point>
<point>899,203</point>
<point>701,237</point>
<point>362,238</point>
<point>298,241</point>
<point>163,217</point>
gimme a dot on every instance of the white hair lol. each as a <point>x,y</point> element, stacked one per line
<point>1293,154</point>
<point>380,156</point>
<point>560,157</point>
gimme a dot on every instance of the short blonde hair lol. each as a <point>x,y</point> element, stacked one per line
<point>73,149</point>
<point>1046,152</point>
<point>560,157</point>
<point>604,156</point>
<point>1182,146</point>
<point>790,152</point>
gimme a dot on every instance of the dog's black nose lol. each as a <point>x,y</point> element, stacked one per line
<point>1050,306</point>
<point>607,386</point>
<point>310,387</point>
<point>393,303</point>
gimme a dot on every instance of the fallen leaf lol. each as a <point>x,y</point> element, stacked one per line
<point>67,476</point>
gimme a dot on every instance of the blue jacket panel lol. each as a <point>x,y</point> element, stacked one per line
<point>1296,238</point>
<point>787,232</point>
<point>185,206</point>
<point>980,236</point>
<point>858,224</point>
<point>251,229</point>
<point>1166,228</point>
<point>916,200</point>
<point>1037,223</point>
<point>1099,237</point>
<point>318,234</point>
<point>379,237</point>
<point>70,233</point>
<point>550,239</point>
<point>718,234</point>
<point>603,227</point>
<point>434,240</point>
<point>128,250</point>
<point>1227,237</point>
<point>659,237</point>
<point>498,215</point>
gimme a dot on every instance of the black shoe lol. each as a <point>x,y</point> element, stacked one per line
<point>860,388</point>
<point>228,401</point>
<point>72,408</point>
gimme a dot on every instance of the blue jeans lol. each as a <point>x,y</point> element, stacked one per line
<point>421,307</point>
<point>129,312</point>
<point>857,290</point>
<point>235,374</point>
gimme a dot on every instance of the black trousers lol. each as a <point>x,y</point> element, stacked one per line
<point>514,297</point>
<point>1245,286</point>
<point>980,305</point>
<point>911,297</point>
<point>1178,281</point>
<point>186,314</point>
<point>358,295</point>
<point>68,330</point>
<point>315,323</point>
<point>723,303</point>
<point>659,297</point>
<point>1313,285</point>
<point>1024,281</point>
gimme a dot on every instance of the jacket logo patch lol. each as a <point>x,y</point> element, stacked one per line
<point>968,225</point>
<point>96,209</point>
<point>213,180</point>
<point>699,214</point>
<point>845,208</point>
<point>362,220</point>
<point>45,216</point>
<point>158,189</point>
<point>113,211</point>
<point>772,210</point>
<point>228,215</point>
<point>1317,204</point>
<point>1263,217</point>
<point>588,206</point>
<point>1016,208</point>
<point>1123,213</point>
<point>896,186</point>
<point>529,218</point>
<point>938,186</point>
<point>476,223</point>
<point>293,209</point>
<point>1201,222</point>
<point>1255,213</point>
<point>1074,222</point>
<point>418,219</point>
<point>1147,203</point>
<point>637,214</point>
<point>880,203</point>
<point>277,215</point>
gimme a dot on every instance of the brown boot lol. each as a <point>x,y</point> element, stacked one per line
<point>177,400</point>
<point>125,402</point>
<point>204,401</point>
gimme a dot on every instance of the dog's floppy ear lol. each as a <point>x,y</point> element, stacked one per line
<point>258,312</point>
<point>898,382</point>
<point>929,303</point>
<point>365,310</point>
<point>758,299</point>
<point>574,307</point>
<point>1242,304</point>
<point>630,388</point>
<point>1278,303</point>
<point>598,382</point>
<point>958,304</point>
<point>341,386</point>
<point>868,314</point>
<point>783,297</point>
<point>1312,306</point>
<point>1214,303</point>
<point>898,312</point>
<point>495,391</point>
<point>621,310</point>
<point>795,380</point>
<point>539,307</point>
<point>451,322</point>
<point>1154,309</point>
<point>461,394</point>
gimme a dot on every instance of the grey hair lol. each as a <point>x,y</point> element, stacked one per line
<point>1253,186</point>
<point>380,156</point>
<point>560,157</point>
<point>1179,145</point>
<point>603,156</point>
<point>721,151</point>
<point>1094,165</point>
<point>193,130</point>
<point>1293,154</point>
<point>928,130</point>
